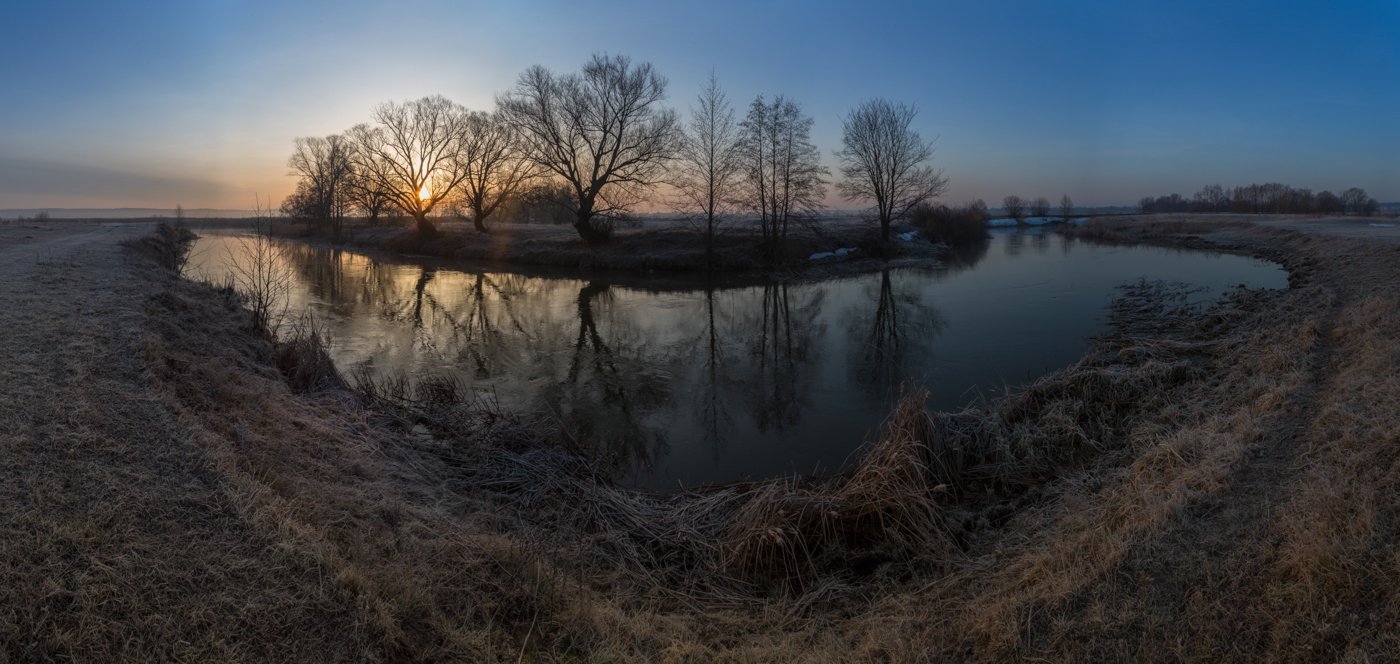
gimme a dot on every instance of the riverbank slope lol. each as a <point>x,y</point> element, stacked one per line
<point>1229,495</point>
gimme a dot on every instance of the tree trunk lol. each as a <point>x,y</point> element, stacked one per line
<point>587,230</point>
<point>710,241</point>
<point>479,223</point>
<point>425,227</point>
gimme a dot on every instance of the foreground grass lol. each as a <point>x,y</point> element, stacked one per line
<point>1206,485</point>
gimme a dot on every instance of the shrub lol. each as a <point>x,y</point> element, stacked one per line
<point>952,225</point>
<point>169,245</point>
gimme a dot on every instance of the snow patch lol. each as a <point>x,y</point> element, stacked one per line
<point>827,255</point>
<point>1381,225</point>
<point>1001,222</point>
<point>907,237</point>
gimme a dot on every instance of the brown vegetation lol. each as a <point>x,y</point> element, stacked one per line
<point>1206,483</point>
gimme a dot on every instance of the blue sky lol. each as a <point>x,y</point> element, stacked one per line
<point>197,102</point>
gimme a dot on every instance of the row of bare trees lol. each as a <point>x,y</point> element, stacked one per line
<point>1268,198</point>
<point>1018,208</point>
<point>597,143</point>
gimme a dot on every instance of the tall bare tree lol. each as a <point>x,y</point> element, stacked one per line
<point>496,169</point>
<point>886,161</point>
<point>1066,207</point>
<point>414,152</point>
<point>1014,207</point>
<point>602,130</point>
<point>708,163</point>
<point>325,171</point>
<point>784,180</point>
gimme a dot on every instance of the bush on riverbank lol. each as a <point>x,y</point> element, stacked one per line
<point>169,246</point>
<point>953,226</point>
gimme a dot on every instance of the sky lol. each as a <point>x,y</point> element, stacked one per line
<point>197,102</point>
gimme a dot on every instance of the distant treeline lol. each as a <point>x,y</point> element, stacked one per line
<point>1268,198</point>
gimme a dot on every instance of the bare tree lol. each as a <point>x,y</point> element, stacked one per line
<point>1066,207</point>
<point>414,153</point>
<point>1328,203</point>
<point>784,178</point>
<point>1040,207</point>
<point>496,170</point>
<point>369,196</point>
<point>1014,207</point>
<point>708,161</point>
<point>603,131</point>
<point>885,160</point>
<point>1355,201</point>
<point>325,170</point>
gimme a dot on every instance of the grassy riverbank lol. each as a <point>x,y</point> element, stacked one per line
<point>1204,483</point>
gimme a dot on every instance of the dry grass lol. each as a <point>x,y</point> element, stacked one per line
<point>1207,484</point>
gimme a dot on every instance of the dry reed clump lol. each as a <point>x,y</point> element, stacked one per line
<point>302,356</point>
<point>888,503</point>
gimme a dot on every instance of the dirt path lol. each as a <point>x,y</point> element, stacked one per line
<point>117,539</point>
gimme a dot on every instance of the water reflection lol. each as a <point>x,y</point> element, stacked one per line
<point>904,326</point>
<point>611,385</point>
<point>784,330</point>
<point>711,384</point>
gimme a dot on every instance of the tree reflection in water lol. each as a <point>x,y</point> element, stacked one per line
<point>611,386</point>
<point>665,383</point>
<point>903,326</point>
<point>714,415</point>
<point>781,354</point>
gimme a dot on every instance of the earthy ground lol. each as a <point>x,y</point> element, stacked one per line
<point>1231,496</point>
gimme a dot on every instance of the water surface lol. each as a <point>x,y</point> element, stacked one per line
<point>705,384</point>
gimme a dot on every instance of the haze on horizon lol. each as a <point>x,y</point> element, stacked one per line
<point>115,105</point>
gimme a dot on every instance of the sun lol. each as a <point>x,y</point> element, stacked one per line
<point>424,194</point>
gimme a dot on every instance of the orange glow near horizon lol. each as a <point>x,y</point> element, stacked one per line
<point>424,194</point>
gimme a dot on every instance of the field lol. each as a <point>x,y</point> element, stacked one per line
<point>1203,486</point>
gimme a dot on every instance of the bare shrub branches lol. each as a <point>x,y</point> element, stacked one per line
<point>260,274</point>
